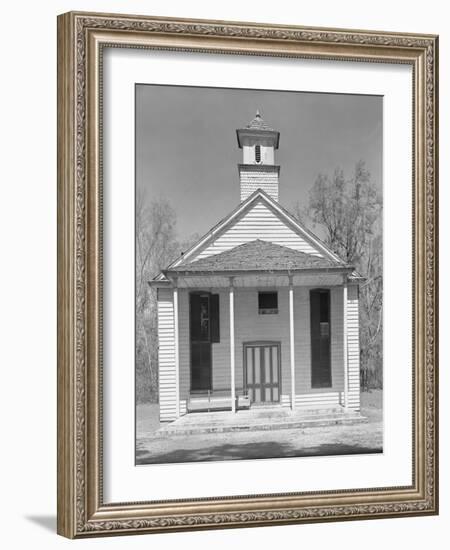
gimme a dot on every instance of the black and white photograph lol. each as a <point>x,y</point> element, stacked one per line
<point>223,232</point>
<point>259,274</point>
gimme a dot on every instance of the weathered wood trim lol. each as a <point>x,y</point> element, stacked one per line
<point>240,273</point>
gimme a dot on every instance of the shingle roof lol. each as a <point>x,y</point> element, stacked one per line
<point>258,123</point>
<point>257,255</point>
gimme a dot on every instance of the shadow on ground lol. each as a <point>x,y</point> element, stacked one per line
<point>364,438</point>
<point>265,449</point>
<point>46,522</point>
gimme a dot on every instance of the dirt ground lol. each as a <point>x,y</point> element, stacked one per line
<point>316,441</point>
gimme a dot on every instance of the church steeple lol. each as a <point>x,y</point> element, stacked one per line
<point>258,169</point>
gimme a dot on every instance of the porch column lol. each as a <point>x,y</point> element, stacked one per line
<point>232,354</point>
<point>291,340</point>
<point>176,349</point>
<point>344,298</point>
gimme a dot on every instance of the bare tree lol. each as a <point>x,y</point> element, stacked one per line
<point>348,211</point>
<point>156,247</point>
<point>371,314</point>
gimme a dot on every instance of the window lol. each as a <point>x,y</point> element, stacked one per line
<point>258,153</point>
<point>267,302</point>
<point>204,317</point>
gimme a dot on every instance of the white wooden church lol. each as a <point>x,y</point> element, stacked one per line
<point>259,312</point>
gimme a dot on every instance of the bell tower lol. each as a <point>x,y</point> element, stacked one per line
<point>258,169</point>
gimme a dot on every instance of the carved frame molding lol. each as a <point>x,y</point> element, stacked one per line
<point>81,38</point>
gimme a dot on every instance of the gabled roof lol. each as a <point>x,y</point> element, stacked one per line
<point>258,123</point>
<point>259,195</point>
<point>256,255</point>
<point>258,127</point>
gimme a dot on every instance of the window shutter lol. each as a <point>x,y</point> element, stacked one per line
<point>214,313</point>
<point>258,153</point>
<point>320,338</point>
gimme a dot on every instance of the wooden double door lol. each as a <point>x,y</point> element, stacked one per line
<point>262,371</point>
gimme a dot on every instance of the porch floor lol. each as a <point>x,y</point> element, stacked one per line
<point>259,418</point>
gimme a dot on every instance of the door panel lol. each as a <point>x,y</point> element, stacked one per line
<point>250,371</point>
<point>275,362</point>
<point>257,365</point>
<point>267,367</point>
<point>200,366</point>
<point>261,372</point>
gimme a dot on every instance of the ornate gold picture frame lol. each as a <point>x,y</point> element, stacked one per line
<point>82,40</point>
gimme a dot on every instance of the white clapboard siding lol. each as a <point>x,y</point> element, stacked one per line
<point>183,407</point>
<point>250,326</point>
<point>322,399</point>
<point>314,400</point>
<point>303,347</point>
<point>221,374</point>
<point>252,179</point>
<point>166,356</point>
<point>353,348</point>
<point>260,222</point>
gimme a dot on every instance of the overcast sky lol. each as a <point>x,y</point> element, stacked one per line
<point>187,152</point>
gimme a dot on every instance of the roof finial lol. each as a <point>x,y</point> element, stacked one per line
<point>258,122</point>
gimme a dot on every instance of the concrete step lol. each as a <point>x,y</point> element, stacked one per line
<point>304,422</point>
<point>199,419</point>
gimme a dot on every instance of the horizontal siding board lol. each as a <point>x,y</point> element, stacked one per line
<point>166,355</point>
<point>258,223</point>
<point>251,180</point>
<point>353,396</point>
<point>250,326</point>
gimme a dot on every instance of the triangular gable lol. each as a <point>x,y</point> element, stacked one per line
<point>258,217</point>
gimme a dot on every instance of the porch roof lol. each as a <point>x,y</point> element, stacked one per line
<point>256,256</point>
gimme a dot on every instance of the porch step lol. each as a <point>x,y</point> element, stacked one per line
<point>215,402</point>
<point>192,426</point>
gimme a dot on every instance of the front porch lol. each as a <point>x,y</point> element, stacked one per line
<point>154,447</point>
<point>259,324</point>
<point>259,419</point>
<point>259,358</point>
